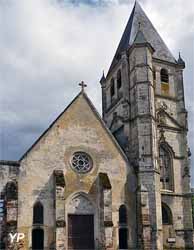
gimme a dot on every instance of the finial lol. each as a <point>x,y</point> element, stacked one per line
<point>103,79</point>
<point>180,60</point>
<point>82,85</point>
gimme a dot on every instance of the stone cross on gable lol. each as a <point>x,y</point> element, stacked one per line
<point>82,85</point>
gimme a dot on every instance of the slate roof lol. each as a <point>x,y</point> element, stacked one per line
<point>136,19</point>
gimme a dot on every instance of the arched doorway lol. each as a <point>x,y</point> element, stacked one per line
<point>38,239</point>
<point>123,229</point>
<point>80,219</point>
<point>167,225</point>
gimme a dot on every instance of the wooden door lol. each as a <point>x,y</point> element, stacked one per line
<point>80,232</point>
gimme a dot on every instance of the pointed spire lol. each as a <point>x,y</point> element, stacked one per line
<point>180,61</point>
<point>137,17</point>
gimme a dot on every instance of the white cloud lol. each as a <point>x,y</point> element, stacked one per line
<point>47,48</point>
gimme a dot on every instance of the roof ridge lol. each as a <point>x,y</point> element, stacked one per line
<point>122,40</point>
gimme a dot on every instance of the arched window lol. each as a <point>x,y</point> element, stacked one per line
<point>37,239</point>
<point>112,89</point>
<point>122,215</point>
<point>123,230</point>
<point>166,173</point>
<point>166,215</point>
<point>11,191</point>
<point>119,79</point>
<point>38,213</point>
<point>164,76</point>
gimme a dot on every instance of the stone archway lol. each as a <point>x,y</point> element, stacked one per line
<point>80,223</point>
<point>167,226</point>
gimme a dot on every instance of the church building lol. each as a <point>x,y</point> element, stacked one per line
<point>120,181</point>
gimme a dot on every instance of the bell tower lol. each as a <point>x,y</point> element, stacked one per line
<point>143,106</point>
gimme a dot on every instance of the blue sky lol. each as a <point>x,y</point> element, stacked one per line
<point>49,46</point>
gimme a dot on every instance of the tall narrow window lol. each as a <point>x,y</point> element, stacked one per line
<point>123,229</point>
<point>119,79</point>
<point>37,239</point>
<point>38,213</point>
<point>164,76</point>
<point>166,215</point>
<point>112,89</point>
<point>154,74</point>
<point>11,191</point>
<point>164,81</point>
<point>166,173</point>
<point>122,215</point>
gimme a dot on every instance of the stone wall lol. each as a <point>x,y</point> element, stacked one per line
<point>76,131</point>
<point>169,126</point>
<point>9,171</point>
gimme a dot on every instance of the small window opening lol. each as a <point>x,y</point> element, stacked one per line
<point>38,213</point>
<point>122,215</point>
<point>154,74</point>
<point>112,88</point>
<point>164,76</point>
<point>11,191</point>
<point>119,79</point>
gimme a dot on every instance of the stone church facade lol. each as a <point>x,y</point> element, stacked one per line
<point>117,182</point>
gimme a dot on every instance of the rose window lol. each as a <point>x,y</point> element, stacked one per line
<point>81,162</point>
